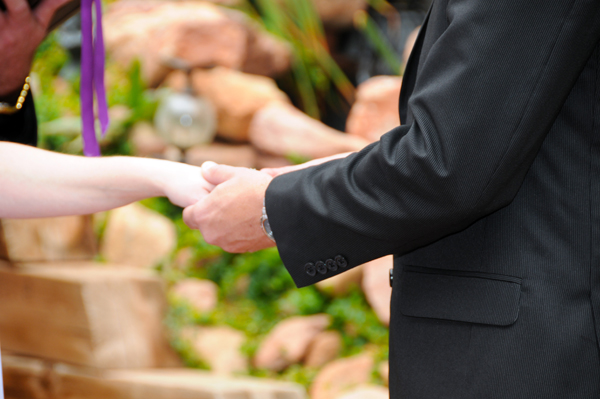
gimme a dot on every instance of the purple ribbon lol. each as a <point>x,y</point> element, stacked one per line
<point>92,77</point>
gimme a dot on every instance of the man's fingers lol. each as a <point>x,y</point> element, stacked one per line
<point>17,6</point>
<point>46,9</point>
<point>217,174</point>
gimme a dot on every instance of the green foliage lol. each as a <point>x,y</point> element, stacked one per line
<point>314,71</point>
<point>304,301</point>
<point>377,38</point>
<point>353,315</point>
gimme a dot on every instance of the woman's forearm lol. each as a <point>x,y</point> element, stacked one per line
<point>38,183</point>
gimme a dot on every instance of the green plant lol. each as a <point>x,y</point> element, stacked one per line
<point>314,70</point>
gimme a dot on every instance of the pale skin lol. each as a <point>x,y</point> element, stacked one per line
<point>21,32</point>
<point>230,216</point>
<point>39,183</point>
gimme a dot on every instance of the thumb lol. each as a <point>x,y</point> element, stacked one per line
<point>217,174</point>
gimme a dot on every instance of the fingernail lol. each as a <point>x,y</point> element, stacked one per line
<point>208,165</point>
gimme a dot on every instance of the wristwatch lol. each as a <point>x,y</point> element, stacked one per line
<point>8,109</point>
<point>264,223</point>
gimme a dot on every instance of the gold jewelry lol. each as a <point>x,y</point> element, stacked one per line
<point>6,108</point>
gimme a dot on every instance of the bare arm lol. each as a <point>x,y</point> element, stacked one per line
<point>39,183</point>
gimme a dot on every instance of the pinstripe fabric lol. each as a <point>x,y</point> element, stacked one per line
<point>488,195</point>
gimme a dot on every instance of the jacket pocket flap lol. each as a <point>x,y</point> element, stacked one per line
<point>460,296</point>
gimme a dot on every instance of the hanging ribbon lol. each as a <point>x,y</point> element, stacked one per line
<point>92,77</point>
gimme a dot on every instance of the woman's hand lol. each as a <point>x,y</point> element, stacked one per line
<point>21,32</point>
<point>183,184</point>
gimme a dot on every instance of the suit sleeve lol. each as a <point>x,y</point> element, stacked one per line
<point>20,127</point>
<point>485,97</point>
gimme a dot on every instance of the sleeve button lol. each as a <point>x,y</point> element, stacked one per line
<point>321,268</point>
<point>331,265</point>
<point>310,269</point>
<point>341,261</point>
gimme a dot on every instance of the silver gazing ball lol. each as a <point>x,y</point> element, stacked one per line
<point>185,120</point>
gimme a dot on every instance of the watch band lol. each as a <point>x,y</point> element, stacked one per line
<point>264,223</point>
<point>8,109</point>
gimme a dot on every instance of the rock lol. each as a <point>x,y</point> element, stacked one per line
<point>376,286</point>
<point>201,294</point>
<point>47,239</point>
<point>367,392</point>
<point>219,347</point>
<point>172,153</point>
<point>375,111</point>
<point>341,284</point>
<point>288,342</point>
<point>266,54</point>
<point>234,155</point>
<point>197,33</point>
<point>410,43</point>
<point>85,314</point>
<point>384,372</point>
<point>145,141</point>
<point>251,93</point>
<point>341,376</point>
<point>283,130</point>
<point>34,378</point>
<point>137,236</point>
<point>183,258</point>
<point>339,13</point>
<point>325,347</point>
<point>271,161</point>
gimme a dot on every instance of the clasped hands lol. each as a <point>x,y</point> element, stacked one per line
<point>229,216</point>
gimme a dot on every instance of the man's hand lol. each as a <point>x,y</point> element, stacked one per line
<point>230,215</point>
<point>274,172</point>
<point>21,32</point>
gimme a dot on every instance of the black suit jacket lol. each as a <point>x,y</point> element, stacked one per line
<point>22,126</point>
<point>488,195</point>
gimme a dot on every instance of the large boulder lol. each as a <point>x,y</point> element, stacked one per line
<point>326,347</point>
<point>198,33</point>
<point>220,347</point>
<point>376,286</point>
<point>47,239</point>
<point>375,111</point>
<point>341,376</point>
<point>289,341</point>
<point>26,377</point>
<point>138,236</point>
<point>85,314</point>
<point>283,130</point>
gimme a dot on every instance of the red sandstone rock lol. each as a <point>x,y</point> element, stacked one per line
<point>342,376</point>
<point>375,111</point>
<point>283,130</point>
<point>288,342</point>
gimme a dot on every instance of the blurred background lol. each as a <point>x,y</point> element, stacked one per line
<point>133,304</point>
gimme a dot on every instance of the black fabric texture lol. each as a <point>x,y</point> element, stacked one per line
<point>20,127</point>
